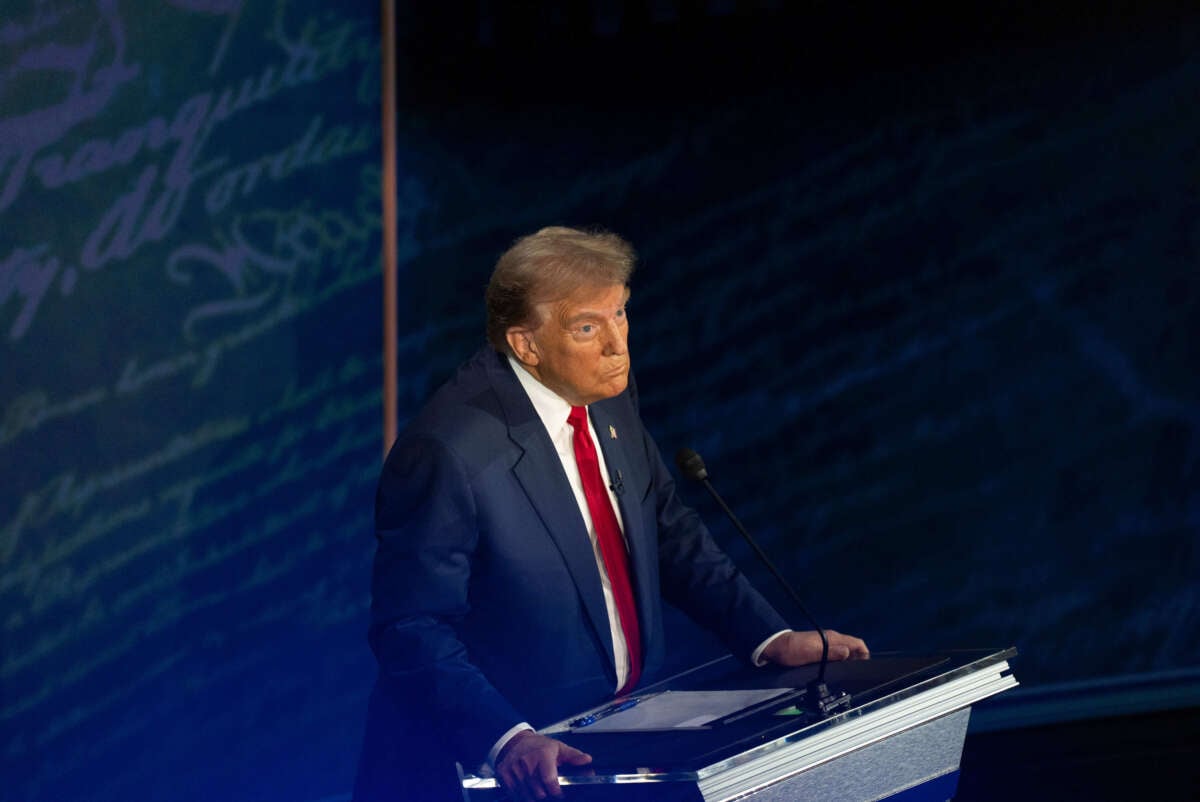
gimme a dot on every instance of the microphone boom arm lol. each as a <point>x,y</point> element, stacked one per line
<point>818,698</point>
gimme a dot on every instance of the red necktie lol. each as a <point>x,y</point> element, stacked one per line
<point>612,544</point>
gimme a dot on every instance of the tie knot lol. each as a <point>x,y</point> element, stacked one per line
<point>578,417</point>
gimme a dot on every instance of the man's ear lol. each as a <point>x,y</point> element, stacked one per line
<point>520,340</point>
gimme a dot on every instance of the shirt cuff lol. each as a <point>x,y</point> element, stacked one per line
<point>756,658</point>
<point>504,739</point>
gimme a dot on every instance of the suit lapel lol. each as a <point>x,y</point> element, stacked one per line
<point>616,457</point>
<point>540,474</point>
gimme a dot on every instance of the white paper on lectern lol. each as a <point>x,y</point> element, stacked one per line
<point>674,710</point>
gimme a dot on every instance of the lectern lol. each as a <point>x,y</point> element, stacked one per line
<point>899,739</point>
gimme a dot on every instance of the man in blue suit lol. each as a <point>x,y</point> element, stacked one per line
<point>499,603</point>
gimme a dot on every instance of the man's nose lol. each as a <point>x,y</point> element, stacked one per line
<point>616,338</point>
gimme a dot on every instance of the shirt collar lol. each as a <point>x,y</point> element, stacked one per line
<point>550,407</point>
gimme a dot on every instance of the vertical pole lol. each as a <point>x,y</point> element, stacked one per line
<point>389,200</point>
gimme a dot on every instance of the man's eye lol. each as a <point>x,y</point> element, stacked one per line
<point>586,328</point>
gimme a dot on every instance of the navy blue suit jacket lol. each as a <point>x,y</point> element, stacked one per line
<point>487,608</point>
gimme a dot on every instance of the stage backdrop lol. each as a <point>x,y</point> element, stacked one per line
<point>922,292</point>
<point>189,396</point>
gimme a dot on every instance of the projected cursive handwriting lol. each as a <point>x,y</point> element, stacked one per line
<point>227,8</point>
<point>80,84</point>
<point>272,256</point>
<point>165,152</point>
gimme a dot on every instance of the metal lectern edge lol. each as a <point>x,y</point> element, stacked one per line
<point>818,742</point>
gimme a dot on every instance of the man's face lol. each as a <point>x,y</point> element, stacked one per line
<point>580,348</point>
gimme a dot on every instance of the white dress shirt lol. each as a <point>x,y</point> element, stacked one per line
<point>553,412</point>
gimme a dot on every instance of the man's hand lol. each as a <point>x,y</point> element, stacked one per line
<point>528,765</point>
<point>801,648</point>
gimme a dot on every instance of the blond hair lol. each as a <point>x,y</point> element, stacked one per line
<point>548,265</point>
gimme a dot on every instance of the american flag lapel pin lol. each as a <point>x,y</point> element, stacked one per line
<point>612,432</point>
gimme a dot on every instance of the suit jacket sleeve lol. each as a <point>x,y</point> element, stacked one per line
<point>699,578</point>
<point>426,531</point>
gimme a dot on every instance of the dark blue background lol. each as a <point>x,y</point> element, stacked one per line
<point>922,290</point>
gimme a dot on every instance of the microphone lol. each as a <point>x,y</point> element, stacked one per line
<point>618,484</point>
<point>817,698</point>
